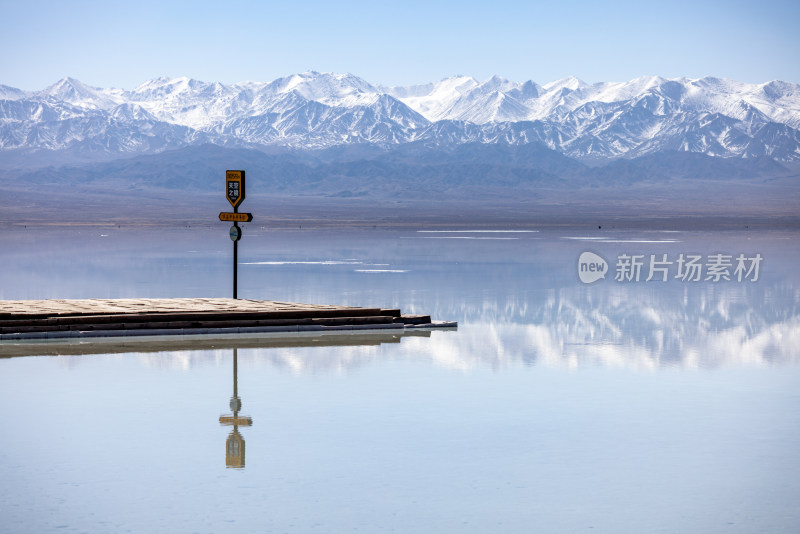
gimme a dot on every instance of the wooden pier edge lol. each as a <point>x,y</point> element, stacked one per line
<point>64,319</point>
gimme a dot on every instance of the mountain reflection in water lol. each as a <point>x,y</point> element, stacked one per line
<point>572,328</point>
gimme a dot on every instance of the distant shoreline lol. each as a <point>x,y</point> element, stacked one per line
<point>455,217</point>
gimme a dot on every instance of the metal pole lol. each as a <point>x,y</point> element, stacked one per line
<point>235,258</point>
<point>235,262</point>
<point>235,388</point>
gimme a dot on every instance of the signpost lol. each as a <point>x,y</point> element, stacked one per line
<point>234,186</point>
<point>234,192</point>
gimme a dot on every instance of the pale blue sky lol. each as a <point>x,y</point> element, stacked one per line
<point>111,44</point>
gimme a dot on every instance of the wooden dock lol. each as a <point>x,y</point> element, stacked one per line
<point>87,318</point>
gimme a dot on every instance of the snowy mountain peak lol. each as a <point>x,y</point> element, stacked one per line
<point>571,82</point>
<point>435,100</point>
<point>166,87</point>
<point>131,112</point>
<point>324,87</point>
<point>11,93</point>
<point>82,96</point>
<point>498,83</point>
<point>76,93</point>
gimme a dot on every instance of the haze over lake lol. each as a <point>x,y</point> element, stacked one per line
<point>556,406</point>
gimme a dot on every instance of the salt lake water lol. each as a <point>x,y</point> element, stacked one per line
<point>623,405</point>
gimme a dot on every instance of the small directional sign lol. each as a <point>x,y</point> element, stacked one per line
<point>237,420</point>
<point>234,187</point>
<point>235,217</point>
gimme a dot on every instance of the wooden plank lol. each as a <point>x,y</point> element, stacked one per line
<point>192,316</point>
<point>414,319</point>
<point>10,309</point>
<point>234,323</point>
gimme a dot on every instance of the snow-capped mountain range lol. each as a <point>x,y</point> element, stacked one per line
<point>602,121</point>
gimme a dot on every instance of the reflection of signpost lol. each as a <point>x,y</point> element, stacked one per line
<point>234,191</point>
<point>234,445</point>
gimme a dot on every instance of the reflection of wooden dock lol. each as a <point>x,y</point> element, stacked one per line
<point>173,343</point>
<point>85,318</point>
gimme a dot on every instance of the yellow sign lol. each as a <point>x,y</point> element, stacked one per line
<point>235,217</point>
<point>234,187</point>
<point>235,420</point>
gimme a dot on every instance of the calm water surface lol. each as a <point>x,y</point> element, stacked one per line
<point>557,406</point>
